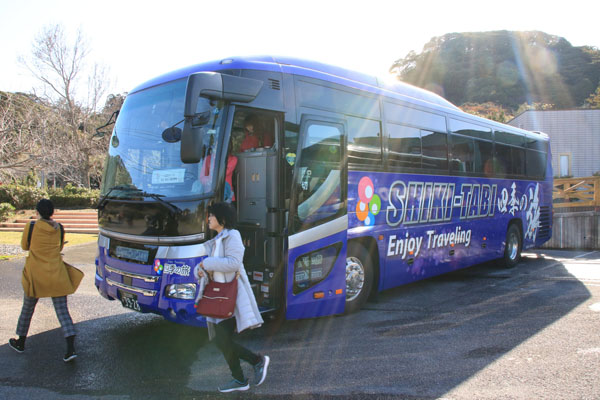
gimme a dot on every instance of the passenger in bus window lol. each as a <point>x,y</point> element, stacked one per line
<point>229,195</point>
<point>206,164</point>
<point>224,263</point>
<point>251,126</point>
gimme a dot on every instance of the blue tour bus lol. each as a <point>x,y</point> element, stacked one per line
<point>349,186</point>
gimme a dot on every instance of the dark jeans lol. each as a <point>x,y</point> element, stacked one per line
<point>232,351</point>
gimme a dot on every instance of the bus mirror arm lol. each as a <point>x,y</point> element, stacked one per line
<point>237,88</point>
<point>111,121</point>
<point>211,85</point>
<point>206,84</point>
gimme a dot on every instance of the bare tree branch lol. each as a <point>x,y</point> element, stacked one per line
<point>68,149</point>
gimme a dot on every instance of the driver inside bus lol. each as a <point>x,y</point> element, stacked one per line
<point>250,133</point>
<point>255,135</point>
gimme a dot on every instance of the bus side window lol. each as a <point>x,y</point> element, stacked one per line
<point>318,187</point>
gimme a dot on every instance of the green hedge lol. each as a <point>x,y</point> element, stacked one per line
<point>21,197</point>
<point>85,200</point>
<point>26,197</point>
<point>6,209</point>
<point>72,196</point>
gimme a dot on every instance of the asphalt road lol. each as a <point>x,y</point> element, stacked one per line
<point>480,333</point>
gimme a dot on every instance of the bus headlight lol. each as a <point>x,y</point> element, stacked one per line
<point>97,262</point>
<point>186,291</point>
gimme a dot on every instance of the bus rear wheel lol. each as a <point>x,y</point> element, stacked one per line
<point>359,277</point>
<point>512,251</point>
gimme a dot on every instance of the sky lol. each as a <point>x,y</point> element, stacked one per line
<point>138,40</point>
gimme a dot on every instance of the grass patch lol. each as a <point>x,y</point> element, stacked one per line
<point>71,239</point>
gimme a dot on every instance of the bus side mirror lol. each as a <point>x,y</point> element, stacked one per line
<point>206,84</point>
<point>211,85</point>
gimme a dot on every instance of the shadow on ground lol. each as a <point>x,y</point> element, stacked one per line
<point>415,342</point>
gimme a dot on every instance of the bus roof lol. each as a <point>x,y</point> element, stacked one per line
<point>309,68</point>
<point>314,69</point>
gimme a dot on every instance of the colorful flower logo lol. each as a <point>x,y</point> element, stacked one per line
<point>369,203</point>
<point>158,268</point>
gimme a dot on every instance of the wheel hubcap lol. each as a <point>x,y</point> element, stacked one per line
<point>513,246</point>
<point>355,278</point>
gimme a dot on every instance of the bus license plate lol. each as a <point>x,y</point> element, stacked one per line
<point>129,300</point>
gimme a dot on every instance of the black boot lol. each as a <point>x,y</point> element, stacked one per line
<point>18,345</point>
<point>70,349</point>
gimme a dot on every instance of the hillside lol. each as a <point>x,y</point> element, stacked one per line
<point>506,68</point>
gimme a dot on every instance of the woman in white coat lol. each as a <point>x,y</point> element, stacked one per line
<point>226,252</point>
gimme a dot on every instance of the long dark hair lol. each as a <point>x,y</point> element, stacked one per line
<point>224,213</point>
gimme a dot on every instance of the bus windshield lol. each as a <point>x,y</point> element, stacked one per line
<point>144,155</point>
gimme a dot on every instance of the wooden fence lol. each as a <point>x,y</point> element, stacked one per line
<point>576,221</point>
<point>576,192</point>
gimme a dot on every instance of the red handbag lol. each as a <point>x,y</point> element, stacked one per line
<point>218,299</point>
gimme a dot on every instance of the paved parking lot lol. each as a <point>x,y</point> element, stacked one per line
<point>483,332</point>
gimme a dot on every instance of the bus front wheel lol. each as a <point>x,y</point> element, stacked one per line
<point>359,277</point>
<point>512,251</point>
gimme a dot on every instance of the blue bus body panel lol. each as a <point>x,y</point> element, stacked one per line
<point>426,225</point>
<point>303,304</point>
<point>168,271</point>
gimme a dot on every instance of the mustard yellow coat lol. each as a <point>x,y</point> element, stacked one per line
<point>45,274</point>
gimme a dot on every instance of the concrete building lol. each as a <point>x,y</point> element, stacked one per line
<point>574,138</point>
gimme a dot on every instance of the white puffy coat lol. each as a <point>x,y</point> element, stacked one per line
<point>223,266</point>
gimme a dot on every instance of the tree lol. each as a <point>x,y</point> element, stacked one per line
<point>594,100</point>
<point>534,106</point>
<point>15,148</point>
<point>506,68</point>
<point>488,110</point>
<point>23,121</point>
<point>74,90</point>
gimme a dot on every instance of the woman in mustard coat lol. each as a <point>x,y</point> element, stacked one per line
<point>45,275</point>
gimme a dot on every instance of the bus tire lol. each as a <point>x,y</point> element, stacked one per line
<point>359,277</point>
<point>514,243</point>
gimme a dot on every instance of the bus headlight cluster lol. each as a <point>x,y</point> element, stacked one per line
<point>186,291</point>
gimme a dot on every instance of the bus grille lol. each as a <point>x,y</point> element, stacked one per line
<point>545,222</point>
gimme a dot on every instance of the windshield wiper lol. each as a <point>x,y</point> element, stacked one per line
<point>158,197</point>
<point>104,198</point>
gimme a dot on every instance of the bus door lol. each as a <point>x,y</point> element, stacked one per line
<point>318,221</point>
<point>256,193</point>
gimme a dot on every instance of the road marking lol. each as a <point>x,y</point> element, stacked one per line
<point>586,282</point>
<point>586,254</point>
<point>595,307</point>
<point>593,350</point>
